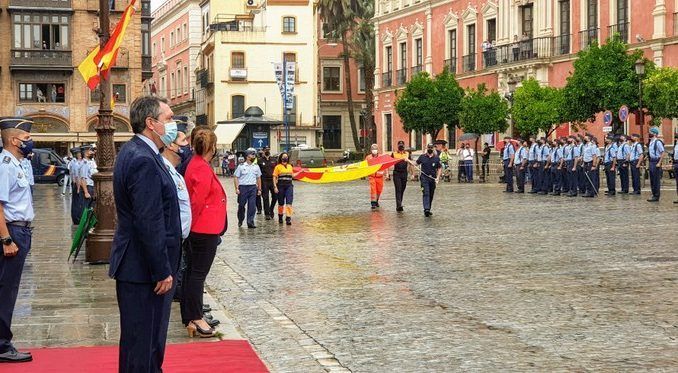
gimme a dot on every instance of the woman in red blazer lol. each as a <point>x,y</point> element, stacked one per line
<point>208,210</point>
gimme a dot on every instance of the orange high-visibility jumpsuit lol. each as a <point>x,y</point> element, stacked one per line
<point>376,185</point>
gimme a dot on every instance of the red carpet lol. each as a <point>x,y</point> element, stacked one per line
<point>224,356</point>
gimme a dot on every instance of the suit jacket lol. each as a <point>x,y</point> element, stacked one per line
<point>208,199</point>
<point>147,242</point>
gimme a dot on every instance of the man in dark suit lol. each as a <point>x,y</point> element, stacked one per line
<point>147,243</point>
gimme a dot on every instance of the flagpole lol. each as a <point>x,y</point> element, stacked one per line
<point>285,119</point>
<point>100,240</point>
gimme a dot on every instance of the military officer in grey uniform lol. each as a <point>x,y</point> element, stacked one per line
<point>74,171</point>
<point>16,217</point>
<point>87,170</point>
<point>675,162</point>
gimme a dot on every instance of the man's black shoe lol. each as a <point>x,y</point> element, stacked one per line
<point>542,193</point>
<point>268,217</point>
<point>206,308</point>
<point>259,212</point>
<point>637,193</point>
<point>676,201</point>
<point>624,192</point>
<point>212,322</point>
<point>14,356</point>
<point>653,199</point>
<point>240,223</point>
<point>508,191</point>
<point>399,209</point>
<point>427,213</point>
<point>251,226</point>
<point>519,191</point>
<point>587,195</point>
<point>572,195</point>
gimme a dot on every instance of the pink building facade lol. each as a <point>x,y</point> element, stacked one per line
<point>175,44</point>
<point>537,39</point>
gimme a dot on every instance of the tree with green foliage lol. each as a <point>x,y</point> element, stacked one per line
<point>426,105</point>
<point>660,93</point>
<point>604,78</point>
<point>483,111</point>
<point>536,109</point>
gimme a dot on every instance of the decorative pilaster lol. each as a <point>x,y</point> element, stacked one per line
<point>659,17</point>
<point>428,60</point>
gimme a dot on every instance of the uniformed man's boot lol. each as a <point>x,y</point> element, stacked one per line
<point>288,220</point>
<point>374,205</point>
<point>280,218</point>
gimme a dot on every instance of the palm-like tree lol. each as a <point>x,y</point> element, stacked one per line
<point>339,16</point>
<point>363,50</point>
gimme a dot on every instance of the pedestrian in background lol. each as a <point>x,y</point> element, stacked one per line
<point>609,161</point>
<point>267,165</point>
<point>623,154</point>
<point>430,175</point>
<point>520,165</point>
<point>400,174</point>
<point>283,173</point>
<point>247,183</point>
<point>486,161</point>
<point>376,180</point>
<point>224,165</point>
<point>16,217</point>
<point>656,154</point>
<point>532,163</point>
<point>467,154</point>
<point>675,162</point>
<point>461,168</point>
<point>208,224</point>
<point>146,247</point>
<point>74,170</point>
<point>67,178</point>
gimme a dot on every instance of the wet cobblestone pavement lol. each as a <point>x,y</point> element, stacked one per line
<point>492,282</point>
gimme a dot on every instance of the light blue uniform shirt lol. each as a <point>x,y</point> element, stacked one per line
<point>86,173</point>
<point>520,155</point>
<point>73,169</point>
<point>610,153</point>
<point>590,150</point>
<point>636,151</point>
<point>577,150</point>
<point>656,148</point>
<point>568,153</point>
<point>247,174</point>
<point>28,170</point>
<point>675,151</point>
<point>15,189</point>
<point>508,151</point>
<point>532,155</point>
<point>557,155</point>
<point>623,150</point>
<point>545,152</point>
<point>182,196</point>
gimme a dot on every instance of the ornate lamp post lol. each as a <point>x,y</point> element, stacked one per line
<point>509,96</point>
<point>640,71</point>
<point>100,240</point>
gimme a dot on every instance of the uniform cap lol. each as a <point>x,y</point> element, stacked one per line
<point>86,147</point>
<point>20,123</point>
<point>251,151</point>
<point>374,146</point>
<point>401,142</point>
<point>75,151</point>
<point>182,123</point>
<point>440,142</point>
<point>429,146</point>
<point>654,131</point>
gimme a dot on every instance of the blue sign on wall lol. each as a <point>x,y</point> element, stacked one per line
<point>260,139</point>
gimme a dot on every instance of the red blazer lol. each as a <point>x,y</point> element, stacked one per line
<point>208,199</point>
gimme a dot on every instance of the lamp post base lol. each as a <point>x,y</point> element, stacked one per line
<point>99,247</point>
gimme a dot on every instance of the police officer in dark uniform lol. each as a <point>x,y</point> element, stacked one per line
<point>16,216</point>
<point>400,173</point>
<point>267,164</point>
<point>430,175</point>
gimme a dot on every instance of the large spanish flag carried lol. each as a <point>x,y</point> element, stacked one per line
<point>99,61</point>
<point>339,174</point>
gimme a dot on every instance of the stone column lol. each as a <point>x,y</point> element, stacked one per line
<point>428,60</point>
<point>659,16</point>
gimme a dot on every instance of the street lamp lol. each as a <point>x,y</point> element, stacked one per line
<point>512,83</point>
<point>640,71</point>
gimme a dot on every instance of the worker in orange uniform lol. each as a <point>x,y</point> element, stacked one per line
<point>376,180</point>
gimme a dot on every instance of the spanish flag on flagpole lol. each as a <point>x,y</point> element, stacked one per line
<point>99,61</point>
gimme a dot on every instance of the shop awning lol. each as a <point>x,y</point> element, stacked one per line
<point>228,132</point>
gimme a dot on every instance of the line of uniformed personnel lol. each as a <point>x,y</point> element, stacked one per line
<point>570,165</point>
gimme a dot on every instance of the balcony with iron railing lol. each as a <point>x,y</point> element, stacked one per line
<point>451,65</point>
<point>205,77</point>
<point>620,28</point>
<point>41,59</point>
<point>417,69</point>
<point>237,30</point>
<point>490,57</point>
<point>561,44</point>
<point>401,76</point>
<point>146,67</point>
<point>43,4</point>
<point>387,79</point>
<point>468,62</point>
<point>586,37</point>
<point>524,50</point>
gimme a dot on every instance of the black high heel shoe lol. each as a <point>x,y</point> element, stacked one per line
<point>194,329</point>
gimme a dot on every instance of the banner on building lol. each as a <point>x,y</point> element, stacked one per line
<point>286,82</point>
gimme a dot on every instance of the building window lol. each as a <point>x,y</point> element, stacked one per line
<point>237,106</point>
<point>563,41</point>
<point>180,82</point>
<point>178,34</point>
<point>388,132</point>
<point>42,92</point>
<point>185,31</point>
<point>289,25</point>
<point>592,14</point>
<point>238,60</point>
<point>292,114</point>
<point>188,79</point>
<point>171,40</point>
<point>389,59</point>
<point>471,38</point>
<point>145,39</point>
<point>119,93</point>
<point>41,31</point>
<point>452,39</point>
<point>332,131</point>
<point>289,57</point>
<point>403,55</point>
<point>172,85</point>
<point>361,79</point>
<point>331,78</point>
<point>328,33</point>
<point>163,88</point>
<point>419,45</point>
<point>491,30</point>
<point>526,19</point>
<point>162,44</point>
